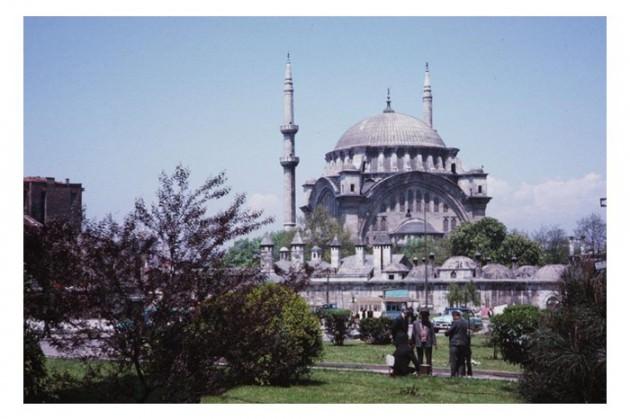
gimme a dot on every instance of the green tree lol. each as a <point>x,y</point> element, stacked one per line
<point>484,236</point>
<point>566,357</point>
<point>415,248</point>
<point>470,294</point>
<point>244,253</point>
<point>454,295</point>
<point>511,331</point>
<point>320,228</point>
<point>554,243</point>
<point>526,251</point>
<point>337,323</point>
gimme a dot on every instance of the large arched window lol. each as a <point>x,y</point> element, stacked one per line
<point>327,200</point>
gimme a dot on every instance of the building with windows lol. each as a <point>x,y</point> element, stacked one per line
<point>46,199</point>
<point>389,178</point>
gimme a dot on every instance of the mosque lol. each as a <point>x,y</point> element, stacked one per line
<point>389,178</point>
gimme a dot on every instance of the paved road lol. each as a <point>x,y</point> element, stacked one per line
<point>439,372</point>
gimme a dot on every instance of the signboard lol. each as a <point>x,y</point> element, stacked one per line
<point>397,293</point>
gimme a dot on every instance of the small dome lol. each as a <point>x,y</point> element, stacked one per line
<point>284,249</point>
<point>390,129</point>
<point>526,271</point>
<point>459,262</point>
<point>551,272</point>
<point>496,271</point>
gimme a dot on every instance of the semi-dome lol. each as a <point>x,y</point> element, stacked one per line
<point>390,129</point>
<point>526,271</point>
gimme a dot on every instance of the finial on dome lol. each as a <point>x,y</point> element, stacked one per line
<point>288,57</point>
<point>426,66</point>
<point>388,109</point>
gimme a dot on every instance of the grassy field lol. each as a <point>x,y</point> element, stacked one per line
<point>355,351</point>
<point>359,387</point>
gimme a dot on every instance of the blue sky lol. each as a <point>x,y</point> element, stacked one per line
<point>110,102</point>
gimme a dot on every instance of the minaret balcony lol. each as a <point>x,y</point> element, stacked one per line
<point>289,161</point>
<point>289,128</point>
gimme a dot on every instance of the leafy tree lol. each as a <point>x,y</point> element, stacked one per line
<point>267,334</point>
<point>511,331</point>
<point>35,374</point>
<point>244,253</point>
<point>593,229</point>
<point>320,228</point>
<point>147,277</point>
<point>457,295</point>
<point>526,251</point>
<point>337,322</point>
<point>484,236</point>
<point>415,248</point>
<point>454,295</point>
<point>554,243</point>
<point>375,330</point>
<point>566,358</point>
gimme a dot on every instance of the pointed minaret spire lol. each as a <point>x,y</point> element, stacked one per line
<point>289,161</point>
<point>388,109</point>
<point>427,98</point>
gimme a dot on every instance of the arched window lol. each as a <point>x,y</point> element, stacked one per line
<point>409,200</point>
<point>453,223</point>
<point>445,225</point>
<point>436,205</point>
<point>480,189</point>
<point>445,207</point>
<point>453,274</point>
<point>453,168</point>
<point>401,202</point>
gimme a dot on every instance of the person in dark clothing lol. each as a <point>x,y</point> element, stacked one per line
<point>423,335</point>
<point>468,356</point>
<point>400,326</point>
<point>403,355</point>
<point>458,342</point>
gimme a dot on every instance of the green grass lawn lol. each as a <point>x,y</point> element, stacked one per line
<point>326,386</point>
<point>355,351</point>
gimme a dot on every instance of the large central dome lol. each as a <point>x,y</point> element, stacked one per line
<point>390,129</point>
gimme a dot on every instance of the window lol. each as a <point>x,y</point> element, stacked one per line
<point>453,168</point>
<point>390,276</point>
<point>436,205</point>
<point>480,189</point>
<point>352,187</point>
<point>453,274</point>
<point>445,208</point>
<point>453,223</point>
<point>445,225</point>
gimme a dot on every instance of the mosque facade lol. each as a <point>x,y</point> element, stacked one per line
<point>389,178</point>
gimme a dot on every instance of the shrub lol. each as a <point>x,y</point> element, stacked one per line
<point>35,375</point>
<point>337,322</point>
<point>375,330</point>
<point>566,362</point>
<point>512,329</point>
<point>267,334</point>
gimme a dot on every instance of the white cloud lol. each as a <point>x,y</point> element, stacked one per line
<point>562,202</point>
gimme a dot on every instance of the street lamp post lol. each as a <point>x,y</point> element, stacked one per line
<point>426,268</point>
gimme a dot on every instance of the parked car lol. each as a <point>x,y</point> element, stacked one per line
<point>444,321</point>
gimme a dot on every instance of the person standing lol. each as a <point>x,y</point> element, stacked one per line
<point>458,337</point>
<point>424,338</point>
<point>400,327</point>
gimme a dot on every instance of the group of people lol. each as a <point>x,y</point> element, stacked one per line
<point>423,339</point>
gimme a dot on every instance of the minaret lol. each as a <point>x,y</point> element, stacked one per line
<point>289,161</point>
<point>427,98</point>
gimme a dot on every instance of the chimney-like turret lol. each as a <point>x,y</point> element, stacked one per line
<point>266,254</point>
<point>297,248</point>
<point>334,253</point>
